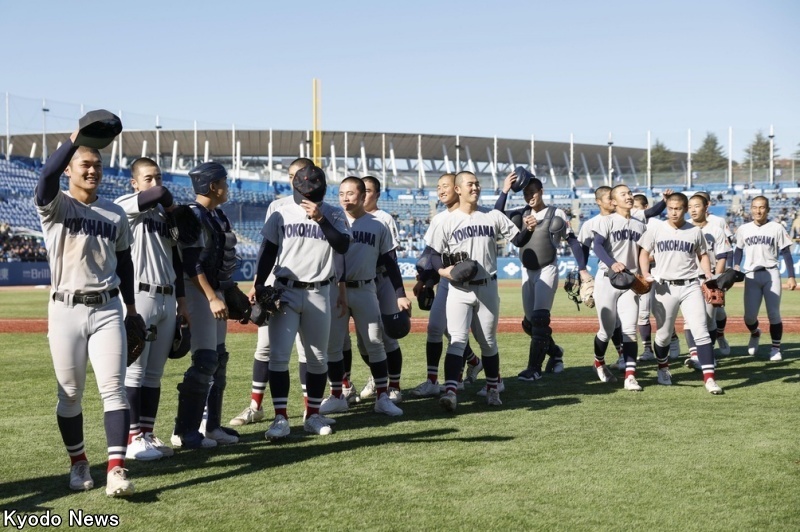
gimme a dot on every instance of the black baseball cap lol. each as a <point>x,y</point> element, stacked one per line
<point>309,184</point>
<point>97,129</point>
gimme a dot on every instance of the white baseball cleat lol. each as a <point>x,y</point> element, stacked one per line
<point>752,345</point>
<point>426,389</point>
<point>692,362</point>
<point>385,405</point>
<point>631,384</point>
<point>159,445</point>
<point>647,356</point>
<point>192,440</point>
<point>395,395</point>
<point>664,376</point>
<point>368,390</point>
<point>501,387</point>
<point>350,393</point>
<point>222,437</point>
<point>278,429</point>
<point>141,449</point>
<point>449,401</point>
<point>248,415</point>
<point>493,398</point>
<point>775,355</point>
<point>605,375</point>
<point>315,425</point>
<point>473,372</point>
<point>713,387</point>
<point>117,483</point>
<point>558,366</point>
<point>333,404</point>
<point>79,477</point>
<point>723,346</point>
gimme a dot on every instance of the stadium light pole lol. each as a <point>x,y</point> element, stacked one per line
<point>610,177</point>
<point>45,110</point>
<point>158,142</point>
<point>771,155</point>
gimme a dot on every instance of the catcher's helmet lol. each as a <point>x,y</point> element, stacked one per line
<point>397,325</point>
<point>182,339</point>
<point>204,174</point>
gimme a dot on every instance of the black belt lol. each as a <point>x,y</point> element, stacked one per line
<point>356,284</point>
<point>481,282</point>
<point>92,299</point>
<point>300,284</point>
<point>762,268</point>
<point>166,289</point>
<point>679,282</point>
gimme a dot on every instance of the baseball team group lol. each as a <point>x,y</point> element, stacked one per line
<point>128,265</point>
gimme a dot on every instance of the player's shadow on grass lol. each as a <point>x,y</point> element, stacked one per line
<point>754,370</point>
<point>251,455</point>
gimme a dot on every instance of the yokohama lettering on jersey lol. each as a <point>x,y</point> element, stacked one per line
<point>476,234</point>
<point>370,239</point>
<point>303,251</point>
<point>761,244</point>
<point>82,242</point>
<point>151,248</point>
<point>675,250</point>
<point>622,236</point>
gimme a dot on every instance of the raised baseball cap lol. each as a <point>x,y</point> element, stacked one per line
<point>523,178</point>
<point>309,184</point>
<point>97,129</point>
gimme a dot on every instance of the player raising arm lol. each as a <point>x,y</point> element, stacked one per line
<point>88,249</point>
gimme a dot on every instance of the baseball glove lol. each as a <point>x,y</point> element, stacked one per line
<point>268,302</point>
<point>573,287</point>
<point>137,335</point>
<point>712,293</point>
<point>238,304</point>
<point>641,285</point>
<point>587,292</point>
<point>426,296</point>
<point>183,224</point>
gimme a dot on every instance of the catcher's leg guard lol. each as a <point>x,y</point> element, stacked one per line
<point>217,390</point>
<point>541,338</point>
<point>526,325</point>
<point>193,390</point>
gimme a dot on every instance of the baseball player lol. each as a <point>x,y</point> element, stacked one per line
<point>475,231</point>
<point>546,228</point>
<point>160,297</point>
<point>254,412</point>
<point>762,242</point>
<point>602,197</point>
<point>370,246</point>
<point>650,216</point>
<point>721,315</point>
<point>208,265</point>
<point>386,297</point>
<point>677,246</point>
<point>437,318</point>
<point>615,244</point>
<point>718,250</point>
<point>88,248</point>
<point>301,238</point>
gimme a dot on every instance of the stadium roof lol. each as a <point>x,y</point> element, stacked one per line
<point>405,146</point>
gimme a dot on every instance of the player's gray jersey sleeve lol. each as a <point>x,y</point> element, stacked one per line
<point>124,236</point>
<point>130,204</point>
<point>505,226</point>
<point>647,240</point>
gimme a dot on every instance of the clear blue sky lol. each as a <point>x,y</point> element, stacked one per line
<point>502,68</point>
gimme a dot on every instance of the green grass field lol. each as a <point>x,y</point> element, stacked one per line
<point>565,453</point>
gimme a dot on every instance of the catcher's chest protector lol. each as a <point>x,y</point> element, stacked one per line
<point>540,250</point>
